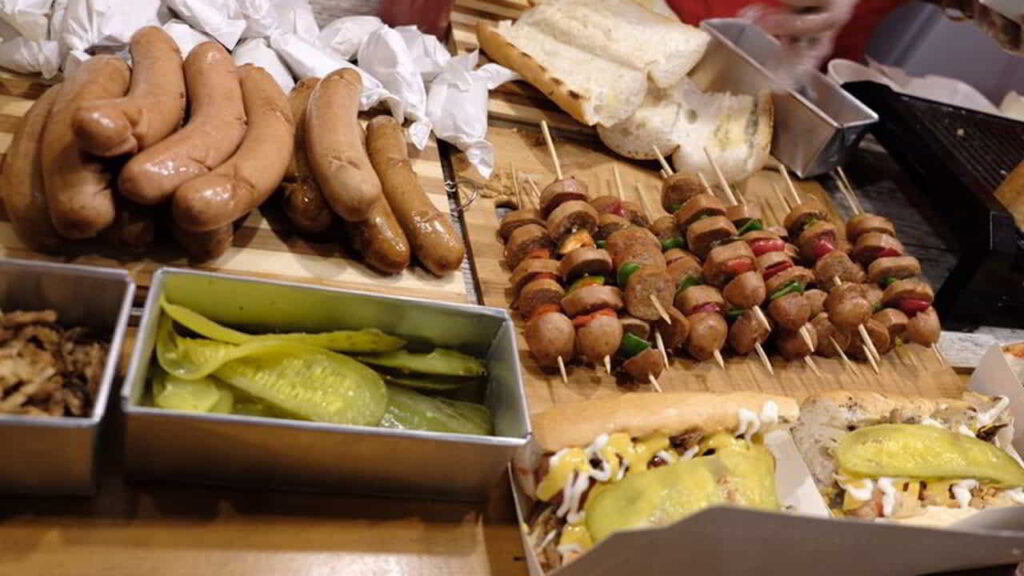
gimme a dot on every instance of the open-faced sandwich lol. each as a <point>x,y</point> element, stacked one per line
<point>645,460</point>
<point>927,461</point>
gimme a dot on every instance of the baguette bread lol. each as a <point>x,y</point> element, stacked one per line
<point>595,59</point>
<point>641,415</point>
<point>681,121</point>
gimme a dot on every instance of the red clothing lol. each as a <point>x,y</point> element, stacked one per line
<point>852,40</point>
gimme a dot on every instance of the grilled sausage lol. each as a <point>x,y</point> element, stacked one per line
<point>539,292</point>
<point>741,214</point>
<point>726,261</point>
<point>430,232</point>
<point>77,188</point>
<point>590,299</point>
<point>697,207</point>
<point>524,241</point>
<point>530,269</point>
<point>517,218</point>
<point>696,298</point>
<point>152,109</point>
<point>673,254</point>
<point>642,286</point>
<point>599,337</point>
<point>549,337</point>
<point>570,217</point>
<point>790,312</point>
<point>799,216</point>
<point>873,294</point>
<point>893,267</point>
<point>636,327</point>
<point>302,201</point>
<point>381,240</point>
<point>745,291</point>
<point>682,268</point>
<point>817,240</point>
<point>745,332</point>
<point>673,335</point>
<point>837,264</point>
<point>637,245</point>
<point>762,242</point>
<point>924,328</point>
<point>215,127</point>
<point>827,333</point>
<point>561,191</point>
<point>815,300</point>
<point>644,365</point>
<point>910,288</point>
<point>21,182</point>
<point>334,145</point>
<point>846,306</point>
<point>704,232</point>
<point>894,321</point>
<point>863,223</point>
<point>708,332</point>
<point>678,188</point>
<point>664,228</point>
<point>874,245</point>
<point>793,346</point>
<point>879,336</point>
<point>585,262</point>
<point>608,224</point>
<point>204,246</point>
<point>246,180</point>
<point>798,274</point>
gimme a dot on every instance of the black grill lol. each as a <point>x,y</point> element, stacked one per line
<point>958,158</point>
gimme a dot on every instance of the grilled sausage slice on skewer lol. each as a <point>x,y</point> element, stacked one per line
<point>746,332</point>
<point>793,345</point>
<point>879,337</point>
<point>550,336</point>
<point>702,234</point>
<point>588,299</point>
<point>708,332</point>
<point>598,335</point>
<point>864,223</point>
<point>518,218</point>
<point>532,269</point>
<point>585,262</point>
<point>924,328</point>
<point>678,188</point>
<point>561,191</point>
<point>827,335</point>
<point>537,293</point>
<point>837,264</point>
<point>894,267</point>
<point>526,241</point>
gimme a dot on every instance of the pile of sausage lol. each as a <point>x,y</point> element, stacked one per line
<point>110,151</point>
<point>586,274</point>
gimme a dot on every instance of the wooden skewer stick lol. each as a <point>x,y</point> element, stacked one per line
<point>663,173</point>
<point>551,148</point>
<point>721,177</point>
<point>654,383</point>
<point>814,367</point>
<point>661,309</point>
<point>618,181</point>
<point>789,184</point>
<point>848,194</point>
<point>849,186</point>
<point>806,336</point>
<point>644,203</point>
<point>938,354</point>
<point>661,347</point>
<point>705,184</point>
<point>718,358</point>
<point>536,191</point>
<point>761,318</point>
<point>871,358</point>
<point>867,341</point>
<point>764,358</point>
<point>846,361</point>
<point>515,185</point>
<point>608,364</point>
<point>661,160</point>
<point>561,370</point>
<point>782,199</point>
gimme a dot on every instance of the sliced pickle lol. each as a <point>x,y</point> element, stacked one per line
<point>203,395</point>
<point>429,382</point>
<point>408,410</point>
<point>351,341</point>
<point>439,362</point>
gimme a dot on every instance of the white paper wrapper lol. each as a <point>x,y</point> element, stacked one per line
<point>28,57</point>
<point>185,36</point>
<point>257,51</point>
<point>107,23</point>
<point>346,35</point>
<point>306,59</point>
<point>221,19</point>
<point>265,18</point>
<point>8,32</point>
<point>428,54</point>
<point>56,25</point>
<point>29,17</point>
<point>457,107</point>
<point>385,56</point>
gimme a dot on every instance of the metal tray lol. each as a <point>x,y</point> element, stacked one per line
<point>293,454</point>
<point>812,132</point>
<point>57,455</point>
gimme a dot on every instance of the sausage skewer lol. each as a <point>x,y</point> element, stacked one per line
<point>515,185</point>
<point>665,168</point>
<point>551,148</point>
<point>650,216</point>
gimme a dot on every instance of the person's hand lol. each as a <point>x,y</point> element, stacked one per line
<point>806,28</point>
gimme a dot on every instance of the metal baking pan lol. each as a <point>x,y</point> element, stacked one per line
<point>813,130</point>
<point>292,454</point>
<point>44,455</point>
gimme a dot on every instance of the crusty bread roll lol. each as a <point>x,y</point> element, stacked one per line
<point>594,59</point>
<point>644,414</point>
<point>682,120</point>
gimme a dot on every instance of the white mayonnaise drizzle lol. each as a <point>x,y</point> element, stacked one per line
<point>769,414</point>
<point>666,456</point>
<point>563,508</point>
<point>1016,495</point>
<point>565,549</point>
<point>749,423</point>
<point>579,487</point>
<point>964,430</point>
<point>594,450</point>
<point>989,416</point>
<point>860,490</point>
<point>885,486</point>
<point>929,421</point>
<point>548,539</point>
<point>962,491</point>
<point>690,452</point>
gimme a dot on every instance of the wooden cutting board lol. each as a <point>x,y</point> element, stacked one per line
<point>912,370</point>
<point>264,246</point>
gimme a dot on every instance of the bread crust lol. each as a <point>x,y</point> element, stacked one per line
<point>507,54</point>
<point>644,414</point>
<point>872,405</point>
